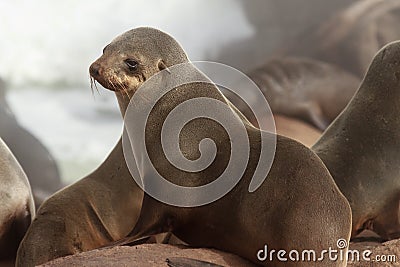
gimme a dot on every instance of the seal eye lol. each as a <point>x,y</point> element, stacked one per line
<point>132,64</point>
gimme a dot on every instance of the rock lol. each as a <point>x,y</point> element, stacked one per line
<point>387,249</point>
<point>146,255</point>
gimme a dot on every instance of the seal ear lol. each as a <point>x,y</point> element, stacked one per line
<point>162,66</point>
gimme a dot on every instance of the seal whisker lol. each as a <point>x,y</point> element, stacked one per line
<point>91,84</point>
<point>112,85</point>
<point>124,88</point>
<point>95,85</point>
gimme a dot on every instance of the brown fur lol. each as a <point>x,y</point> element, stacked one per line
<point>227,231</point>
<point>84,216</point>
<point>351,37</point>
<point>298,205</point>
<point>301,88</point>
<point>17,205</point>
<point>296,130</point>
<point>361,148</point>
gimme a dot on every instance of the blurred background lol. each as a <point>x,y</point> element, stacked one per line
<point>47,46</point>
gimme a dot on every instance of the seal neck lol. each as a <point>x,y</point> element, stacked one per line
<point>123,102</point>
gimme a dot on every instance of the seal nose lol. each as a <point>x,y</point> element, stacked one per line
<point>94,69</point>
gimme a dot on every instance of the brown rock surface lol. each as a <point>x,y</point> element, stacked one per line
<point>145,256</point>
<point>387,249</point>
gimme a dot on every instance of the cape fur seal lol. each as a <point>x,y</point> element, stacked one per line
<point>17,204</point>
<point>351,37</point>
<point>361,147</point>
<point>37,162</point>
<point>104,206</point>
<point>301,88</point>
<point>298,206</point>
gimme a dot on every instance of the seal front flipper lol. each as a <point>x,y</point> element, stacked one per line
<point>187,262</point>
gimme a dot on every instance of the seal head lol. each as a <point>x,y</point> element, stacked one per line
<point>133,57</point>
